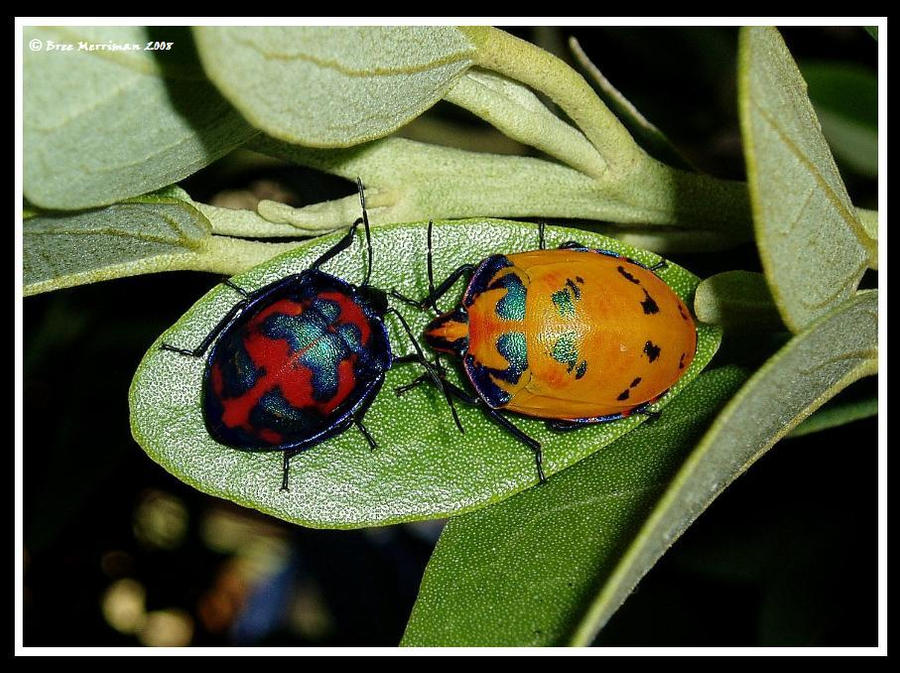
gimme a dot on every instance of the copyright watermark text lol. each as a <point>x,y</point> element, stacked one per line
<point>83,45</point>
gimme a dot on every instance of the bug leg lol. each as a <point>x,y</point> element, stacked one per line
<point>347,239</point>
<point>570,245</point>
<point>651,415</point>
<point>439,291</point>
<point>237,288</point>
<point>419,356</point>
<point>503,422</point>
<point>436,373</point>
<point>362,428</point>
<point>286,464</point>
<point>661,264</point>
<point>222,325</point>
<point>430,266</point>
<point>229,318</point>
<point>399,391</point>
<point>365,217</point>
<point>562,426</point>
<point>405,359</point>
<point>443,374</point>
<point>338,247</point>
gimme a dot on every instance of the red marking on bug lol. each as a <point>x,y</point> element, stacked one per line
<point>283,370</point>
<point>351,314</point>
<point>271,436</point>
<point>299,393</point>
<point>217,382</point>
<point>282,306</point>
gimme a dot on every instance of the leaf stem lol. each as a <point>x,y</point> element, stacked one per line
<point>541,70</point>
<point>518,113</point>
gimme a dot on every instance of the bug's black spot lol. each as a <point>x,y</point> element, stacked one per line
<point>652,350</point>
<point>582,368</point>
<point>575,289</point>
<point>635,382</point>
<point>649,305</point>
<point>623,396</point>
<point>681,362</point>
<point>579,279</point>
<point>627,276</point>
<point>681,311</point>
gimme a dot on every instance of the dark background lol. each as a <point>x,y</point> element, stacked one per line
<point>786,556</point>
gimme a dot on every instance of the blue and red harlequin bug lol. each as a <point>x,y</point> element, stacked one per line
<point>575,336</point>
<point>299,360</point>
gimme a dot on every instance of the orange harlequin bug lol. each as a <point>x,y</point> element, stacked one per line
<point>574,336</point>
<point>299,360</point>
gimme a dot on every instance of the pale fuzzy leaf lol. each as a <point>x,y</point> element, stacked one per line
<point>65,249</point>
<point>518,113</point>
<point>845,96</point>
<point>644,131</point>
<point>419,181</point>
<point>102,126</point>
<point>162,231</point>
<point>326,86</point>
<point>837,415</point>
<point>737,300</point>
<point>813,248</point>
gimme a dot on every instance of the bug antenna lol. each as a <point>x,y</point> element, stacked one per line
<point>438,381</point>
<point>365,217</point>
<point>362,193</point>
<point>431,292</point>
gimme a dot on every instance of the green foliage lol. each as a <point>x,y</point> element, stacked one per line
<point>799,200</point>
<point>332,86</point>
<point>162,231</point>
<point>816,364</point>
<point>519,565</point>
<point>846,100</point>
<point>103,126</point>
<point>737,300</point>
<point>836,415</point>
<point>148,233</point>
<point>423,468</point>
<point>527,571</point>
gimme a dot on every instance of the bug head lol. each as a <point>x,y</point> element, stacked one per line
<point>375,297</point>
<point>449,333</point>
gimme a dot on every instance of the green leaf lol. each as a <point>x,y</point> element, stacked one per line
<point>162,231</point>
<point>524,572</point>
<point>644,131</point>
<point>414,181</point>
<point>845,96</point>
<point>102,126</point>
<point>423,467</point>
<point>137,236</point>
<point>518,113</point>
<point>333,86</point>
<point>520,60</point>
<point>837,415</point>
<point>813,247</point>
<point>737,300</point>
<point>816,364</point>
